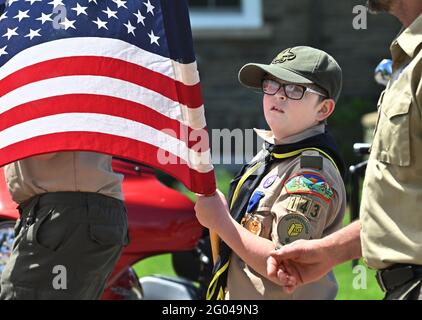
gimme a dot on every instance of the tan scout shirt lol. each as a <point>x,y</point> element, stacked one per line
<point>284,217</point>
<point>391,213</point>
<point>63,171</point>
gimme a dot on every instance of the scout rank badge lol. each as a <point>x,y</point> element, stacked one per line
<point>249,221</point>
<point>293,227</point>
<point>252,224</point>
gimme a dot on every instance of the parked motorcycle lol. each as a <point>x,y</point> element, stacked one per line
<point>161,220</point>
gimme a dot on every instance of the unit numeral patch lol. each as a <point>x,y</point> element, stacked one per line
<point>304,205</point>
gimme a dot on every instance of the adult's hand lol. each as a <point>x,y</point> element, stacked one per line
<point>306,261</point>
<point>302,262</point>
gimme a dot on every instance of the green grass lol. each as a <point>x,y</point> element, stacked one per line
<point>160,264</point>
<point>366,286</point>
<point>358,285</point>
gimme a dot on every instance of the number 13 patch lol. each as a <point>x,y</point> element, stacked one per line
<point>305,205</point>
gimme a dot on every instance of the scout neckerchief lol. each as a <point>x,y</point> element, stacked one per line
<point>249,178</point>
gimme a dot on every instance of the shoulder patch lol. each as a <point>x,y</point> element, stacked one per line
<point>305,205</point>
<point>293,227</point>
<point>311,161</point>
<point>309,183</point>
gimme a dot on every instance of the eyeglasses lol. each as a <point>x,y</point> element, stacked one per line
<point>292,91</point>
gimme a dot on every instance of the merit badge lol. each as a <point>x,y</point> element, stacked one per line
<point>269,182</point>
<point>252,224</point>
<point>293,227</point>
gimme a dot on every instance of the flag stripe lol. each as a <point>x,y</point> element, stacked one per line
<point>80,103</point>
<point>104,86</point>
<point>101,47</point>
<point>113,68</point>
<point>126,86</point>
<point>89,122</point>
<point>112,145</point>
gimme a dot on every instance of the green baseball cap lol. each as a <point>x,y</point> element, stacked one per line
<point>301,65</point>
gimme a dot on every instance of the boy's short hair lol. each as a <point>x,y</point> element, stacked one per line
<point>301,65</point>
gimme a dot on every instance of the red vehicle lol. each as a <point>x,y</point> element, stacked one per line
<point>161,220</point>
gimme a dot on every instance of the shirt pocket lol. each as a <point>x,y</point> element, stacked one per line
<point>392,135</point>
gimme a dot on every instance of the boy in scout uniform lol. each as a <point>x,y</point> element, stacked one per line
<point>72,226</point>
<point>292,189</point>
<point>388,235</point>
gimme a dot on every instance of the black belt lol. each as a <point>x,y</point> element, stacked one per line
<point>397,275</point>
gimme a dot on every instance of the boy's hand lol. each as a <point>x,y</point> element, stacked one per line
<point>212,211</point>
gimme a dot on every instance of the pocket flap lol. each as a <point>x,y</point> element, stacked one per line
<point>396,104</point>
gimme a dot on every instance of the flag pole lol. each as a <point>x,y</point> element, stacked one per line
<point>214,239</point>
<point>215,245</point>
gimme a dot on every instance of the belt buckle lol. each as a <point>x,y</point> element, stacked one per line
<point>380,281</point>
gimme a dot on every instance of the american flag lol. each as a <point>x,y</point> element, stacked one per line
<point>110,76</point>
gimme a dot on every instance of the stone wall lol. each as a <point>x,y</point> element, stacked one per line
<point>325,24</point>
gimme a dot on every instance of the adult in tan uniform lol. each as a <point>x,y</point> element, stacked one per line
<point>388,234</point>
<point>292,189</point>
<point>72,226</point>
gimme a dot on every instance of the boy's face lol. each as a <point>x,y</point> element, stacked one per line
<point>286,116</point>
